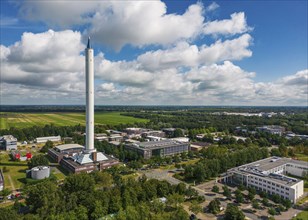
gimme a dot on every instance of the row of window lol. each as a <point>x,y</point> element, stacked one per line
<point>268,186</point>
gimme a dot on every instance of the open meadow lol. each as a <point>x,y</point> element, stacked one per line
<point>22,120</point>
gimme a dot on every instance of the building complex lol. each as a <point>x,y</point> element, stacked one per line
<point>75,158</point>
<point>270,175</point>
<point>158,148</point>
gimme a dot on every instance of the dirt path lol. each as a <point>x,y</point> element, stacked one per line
<point>11,182</point>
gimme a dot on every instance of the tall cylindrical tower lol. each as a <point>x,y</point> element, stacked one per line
<point>89,98</point>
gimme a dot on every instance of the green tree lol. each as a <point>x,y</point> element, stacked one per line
<point>255,204</point>
<point>215,189</point>
<point>226,192</point>
<point>8,213</point>
<point>179,214</point>
<point>195,207</point>
<point>265,202</point>
<point>38,160</point>
<point>47,146</point>
<point>214,206</point>
<point>272,211</point>
<point>233,213</point>
<point>174,200</point>
<point>239,196</point>
<point>43,198</point>
<point>102,178</point>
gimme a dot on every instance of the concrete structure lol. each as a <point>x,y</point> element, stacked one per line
<point>268,175</point>
<point>1,181</point>
<point>75,158</point>
<point>272,129</point>
<point>158,148</point>
<point>50,138</point>
<point>89,55</point>
<point>40,172</point>
<point>8,142</point>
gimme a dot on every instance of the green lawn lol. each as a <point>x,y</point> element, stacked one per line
<point>302,157</point>
<point>22,120</point>
<point>16,171</point>
<point>301,216</point>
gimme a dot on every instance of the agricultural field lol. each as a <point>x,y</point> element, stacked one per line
<point>22,120</point>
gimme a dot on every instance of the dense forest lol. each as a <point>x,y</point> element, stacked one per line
<point>100,194</point>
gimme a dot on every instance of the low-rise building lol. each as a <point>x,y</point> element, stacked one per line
<point>272,129</point>
<point>169,131</point>
<point>50,138</point>
<point>158,148</point>
<point>72,158</point>
<point>268,175</point>
<point>115,137</point>
<point>101,137</point>
<point>153,138</point>
<point>87,162</point>
<point>8,142</point>
<point>58,152</point>
<point>154,133</point>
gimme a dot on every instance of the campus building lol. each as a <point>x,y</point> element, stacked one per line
<point>45,139</point>
<point>8,142</point>
<point>269,175</point>
<point>272,129</point>
<point>158,148</point>
<point>72,158</point>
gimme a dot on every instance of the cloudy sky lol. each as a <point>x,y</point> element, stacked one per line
<point>155,52</point>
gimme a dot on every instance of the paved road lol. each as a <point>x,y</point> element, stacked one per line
<point>11,182</point>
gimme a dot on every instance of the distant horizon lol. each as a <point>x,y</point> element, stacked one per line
<point>295,106</point>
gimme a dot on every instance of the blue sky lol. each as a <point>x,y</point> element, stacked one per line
<point>277,42</point>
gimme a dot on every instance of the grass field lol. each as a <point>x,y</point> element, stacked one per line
<point>301,216</point>
<point>22,120</point>
<point>302,157</point>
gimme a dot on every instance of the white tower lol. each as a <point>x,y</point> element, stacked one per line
<point>89,98</point>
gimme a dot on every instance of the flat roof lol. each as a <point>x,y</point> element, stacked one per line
<point>68,147</point>
<point>261,168</point>
<point>158,144</point>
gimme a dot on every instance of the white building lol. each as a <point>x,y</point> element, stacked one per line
<point>8,142</point>
<point>45,139</point>
<point>268,175</point>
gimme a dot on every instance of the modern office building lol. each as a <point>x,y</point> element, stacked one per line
<point>158,148</point>
<point>272,129</point>
<point>45,139</point>
<point>269,175</point>
<point>8,142</point>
